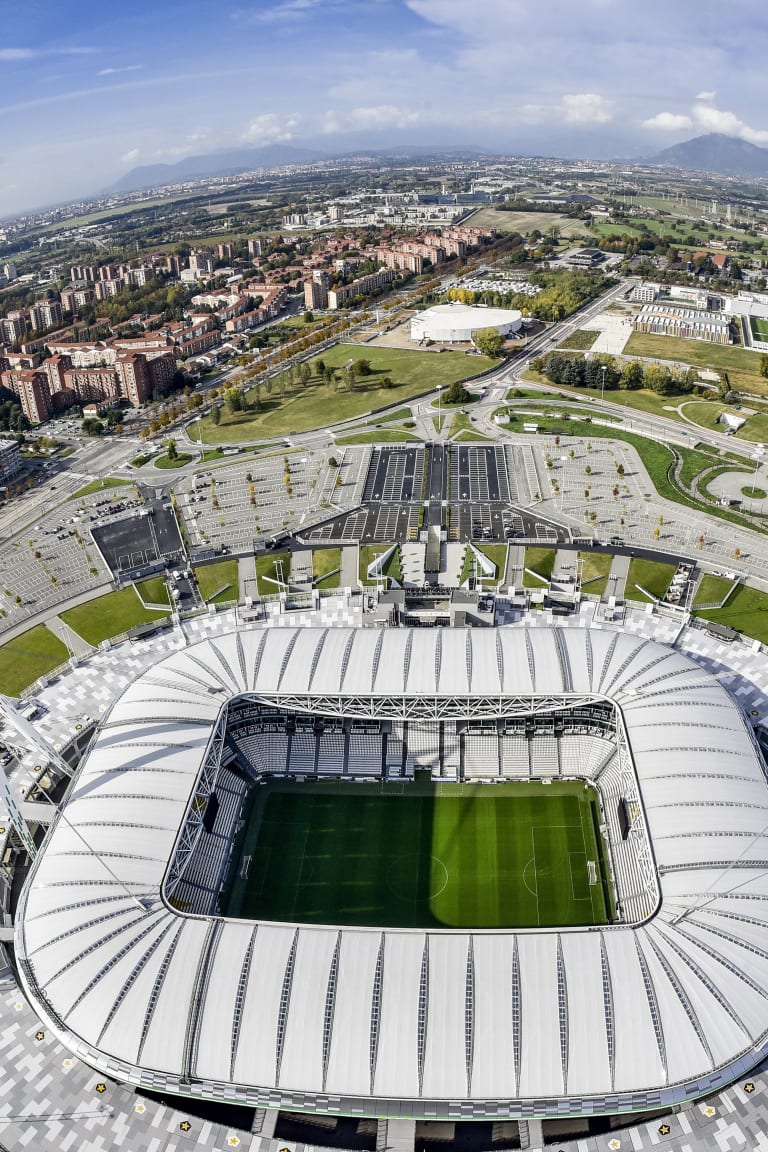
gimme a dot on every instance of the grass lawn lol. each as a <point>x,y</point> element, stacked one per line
<point>378,436</point>
<point>706,415</point>
<point>742,366</point>
<point>463,429</point>
<point>109,616</point>
<point>98,485</point>
<point>496,553</point>
<point>326,565</point>
<point>581,339</point>
<point>166,462</point>
<point>154,590</point>
<point>218,582</point>
<point>266,574</point>
<point>140,461</point>
<point>759,328</point>
<point>542,561</point>
<point>368,554</point>
<point>746,611</point>
<point>594,572</point>
<point>711,590</point>
<point>420,855</point>
<point>652,575</point>
<point>29,656</point>
<point>525,222</point>
<point>318,404</point>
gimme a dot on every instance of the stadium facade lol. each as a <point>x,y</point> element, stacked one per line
<point>455,323</point>
<point>122,953</point>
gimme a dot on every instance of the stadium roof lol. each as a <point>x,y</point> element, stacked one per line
<point>407,1022</point>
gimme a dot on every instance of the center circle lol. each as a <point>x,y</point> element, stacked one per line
<point>402,878</point>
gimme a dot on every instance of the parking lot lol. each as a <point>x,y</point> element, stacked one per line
<point>237,506</point>
<point>146,535</point>
<point>479,473</point>
<point>376,523</point>
<point>394,475</point>
<point>500,523</point>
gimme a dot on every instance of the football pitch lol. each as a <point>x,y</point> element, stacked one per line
<point>421,855</point>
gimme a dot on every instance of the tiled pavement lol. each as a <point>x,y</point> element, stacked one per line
<point>52,1102</point>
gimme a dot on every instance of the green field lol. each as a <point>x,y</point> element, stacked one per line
<point>652,575</point>
<point>320,404</point>
<point>420,855</point>
<point>29,656</point>
<point>595,568</point>
<point>759,328</point>
<point>746,611</point>
<point>109,615</point>
<point>218,582</point>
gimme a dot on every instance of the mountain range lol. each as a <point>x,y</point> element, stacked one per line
<point>234,161</point>
<point>715,153</point>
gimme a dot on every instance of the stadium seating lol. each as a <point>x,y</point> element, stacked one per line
<point>481,754</point>
<point>365,754</point>
<point>330,754</point>
<point>545,760</point>
<point>204,874</point>
<point>515,758</point>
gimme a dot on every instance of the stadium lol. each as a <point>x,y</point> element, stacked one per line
<point>455,323</point>
<point>426,873</point>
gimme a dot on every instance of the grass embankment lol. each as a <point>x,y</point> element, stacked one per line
<point>98,486</point>
<point>326,567</point>
<point>496,553</point>
<point>368,554</point>
<point>652,575</point>
<point>542,562</point>
<point>746,611</point>
<point>266,571</point>
<point>319,404</point>
<point>28,657</point>
<point>218,582</point>
<point>109,615</point>
<point>711,590</point>
<point>153,590</point>
<point>595,567</point>
<point>175,462</point>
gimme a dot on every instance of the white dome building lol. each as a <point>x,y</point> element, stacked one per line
<point>455,323</point>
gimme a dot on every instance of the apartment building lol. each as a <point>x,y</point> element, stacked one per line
<point>364,286</point>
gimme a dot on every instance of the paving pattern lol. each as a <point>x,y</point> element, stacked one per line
<point>52,1102</point>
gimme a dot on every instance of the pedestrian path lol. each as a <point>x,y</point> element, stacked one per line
<point>73,641</point>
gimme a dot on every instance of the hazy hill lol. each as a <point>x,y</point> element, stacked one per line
<point>228,163</point>
<point>715,153</point>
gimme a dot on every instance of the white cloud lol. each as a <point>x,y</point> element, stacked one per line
<point>705,117</point>
<point>130,157</point>
<point>668,122</point>
<point>117,71</point>
<point>271,129</point>
<point>711,119</point>
<point>586,108</point>
<point>13,55</point>
<point>371,116</point>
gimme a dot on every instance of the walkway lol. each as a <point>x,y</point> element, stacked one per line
<point>71,639</point>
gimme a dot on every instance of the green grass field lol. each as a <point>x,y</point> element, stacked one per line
<point>28,657</point>
<point>420,855</point>
<point>109,615</point>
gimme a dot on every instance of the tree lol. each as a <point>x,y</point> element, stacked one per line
<point>488,341</point>
<point>216,416</point>
<point>171,450</point>
<point>456,393</point>
<point>234,400</point>
<point>764,365</point>
<point>92,427</point>
<point>632,375</point>
<point>308,317</point>
<point>362,368</point>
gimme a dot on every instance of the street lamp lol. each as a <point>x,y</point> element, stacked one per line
<point>757,456</point>
<point>603,369</point>
<point>439,421</point>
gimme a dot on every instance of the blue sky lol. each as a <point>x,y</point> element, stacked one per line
<point>89,90</point>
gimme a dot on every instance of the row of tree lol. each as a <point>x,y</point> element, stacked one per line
<point>603,371</point>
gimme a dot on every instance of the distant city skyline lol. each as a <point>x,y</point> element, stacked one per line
<point>90,91</point>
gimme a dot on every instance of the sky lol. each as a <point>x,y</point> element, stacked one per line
<point>90,90</point>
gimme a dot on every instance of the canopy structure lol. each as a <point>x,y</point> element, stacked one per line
<point>405,1022</point>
